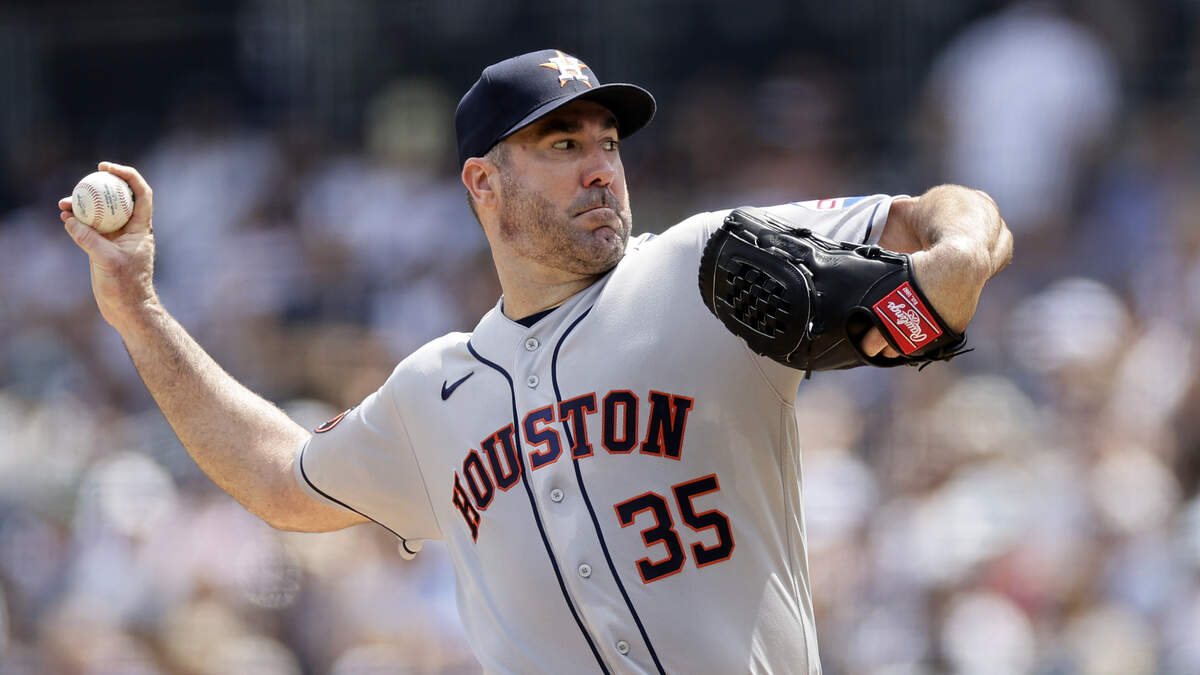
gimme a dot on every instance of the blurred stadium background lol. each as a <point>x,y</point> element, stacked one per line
<point>1029,508</point>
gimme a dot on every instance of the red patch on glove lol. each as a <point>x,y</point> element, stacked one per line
<point>909,321</point>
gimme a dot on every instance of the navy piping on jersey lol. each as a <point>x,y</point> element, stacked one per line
<point>326,495</point>
<point>537,518</point>
<point>583,492</point>
<point>870,223</point>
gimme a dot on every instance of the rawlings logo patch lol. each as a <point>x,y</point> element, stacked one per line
<point>907,318</point>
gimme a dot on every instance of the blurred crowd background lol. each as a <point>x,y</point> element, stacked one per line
<point>1031,507</point>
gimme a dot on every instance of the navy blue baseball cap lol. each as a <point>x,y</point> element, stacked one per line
<point>516,92</point>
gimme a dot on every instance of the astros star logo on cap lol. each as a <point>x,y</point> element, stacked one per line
<point>568,67</point>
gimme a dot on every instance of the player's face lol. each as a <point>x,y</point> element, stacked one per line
<point>563,199</point>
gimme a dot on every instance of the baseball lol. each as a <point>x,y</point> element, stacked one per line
<point>102,201</point>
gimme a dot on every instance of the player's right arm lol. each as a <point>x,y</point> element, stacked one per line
<point>244,443</point>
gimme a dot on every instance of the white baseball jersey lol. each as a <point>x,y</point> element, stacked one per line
<point>618,486</point>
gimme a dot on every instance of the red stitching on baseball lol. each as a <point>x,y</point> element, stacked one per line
<point>126,209</point>
<point>97,205</point>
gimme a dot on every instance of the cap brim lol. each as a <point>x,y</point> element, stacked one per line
<point>632,106</point>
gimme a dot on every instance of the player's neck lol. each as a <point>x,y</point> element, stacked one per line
<point>523,298</point>
<point>530,288</point>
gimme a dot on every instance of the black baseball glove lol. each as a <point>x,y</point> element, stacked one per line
<point>807,301</point>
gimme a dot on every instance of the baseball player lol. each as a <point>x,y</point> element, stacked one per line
<point>615,474</point>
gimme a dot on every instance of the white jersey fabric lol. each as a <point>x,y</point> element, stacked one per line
<point>618,486</point>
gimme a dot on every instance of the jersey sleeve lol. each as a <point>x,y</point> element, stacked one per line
<point>363,460</point>
<point>859,220</point>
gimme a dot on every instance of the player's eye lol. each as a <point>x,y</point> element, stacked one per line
<point>611,144</point>
<point>565,144</point>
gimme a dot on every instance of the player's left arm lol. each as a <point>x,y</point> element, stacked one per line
<point>957,241</point>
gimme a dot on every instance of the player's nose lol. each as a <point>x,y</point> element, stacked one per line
<point>599,168</point>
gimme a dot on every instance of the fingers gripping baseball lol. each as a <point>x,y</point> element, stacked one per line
<point>122,262</point>
<point>143,196</point>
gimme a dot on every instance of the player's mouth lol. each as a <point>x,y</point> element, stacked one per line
<point>605,200</point>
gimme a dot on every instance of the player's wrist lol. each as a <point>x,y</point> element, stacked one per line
<point>135,316</point>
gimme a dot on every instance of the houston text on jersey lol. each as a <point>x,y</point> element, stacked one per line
<point>480,479</point>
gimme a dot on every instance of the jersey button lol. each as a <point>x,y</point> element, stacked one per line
<point>532,381</point>
<point>622,647</point>
<point>531,344</point>
<point>585,570</point>
<point>556,495</point>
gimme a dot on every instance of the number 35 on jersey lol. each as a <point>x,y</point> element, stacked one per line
<point>495,467</point>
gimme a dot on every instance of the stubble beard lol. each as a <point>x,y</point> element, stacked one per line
<point>538,230</point>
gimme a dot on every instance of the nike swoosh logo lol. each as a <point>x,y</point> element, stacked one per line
<point>446,391</point>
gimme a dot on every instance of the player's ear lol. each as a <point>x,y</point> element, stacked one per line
<point>481,179</point>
